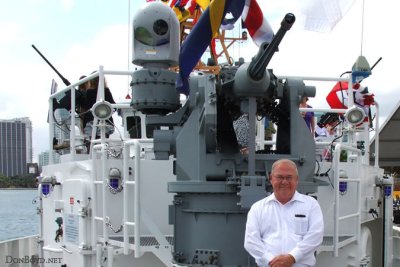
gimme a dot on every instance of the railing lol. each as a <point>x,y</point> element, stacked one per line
<point>99,151</point>
<point>100,73</point>
<point>136,203</point>
<point>396,246</point>
<point>19,248</point>
<point>127,204</point>
<point>336,217</point>
<point>95,182</point>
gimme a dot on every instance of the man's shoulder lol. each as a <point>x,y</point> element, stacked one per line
<point>263,201</point>
<point>305,198</point>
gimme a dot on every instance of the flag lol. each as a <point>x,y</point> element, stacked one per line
<point>323,15</point>
<point>203,3</point>
<point>255,22</point>
<point>338,98</point>
<point>53,90</point>
<point>54,87</point>
<point>207,27</point>
<point>200,37</point>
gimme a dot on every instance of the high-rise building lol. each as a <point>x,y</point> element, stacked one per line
<point>63,119</point>
<point>61,131</point>
<point>15,146</point>
<point>44,158</point>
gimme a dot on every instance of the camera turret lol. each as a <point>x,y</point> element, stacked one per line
<point>155,48</point>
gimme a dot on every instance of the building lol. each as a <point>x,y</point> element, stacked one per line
<point>33,169</point>
<point>62,117</point>
<point>15,146</point>
<point>44,158</point>
<point>61,131</point>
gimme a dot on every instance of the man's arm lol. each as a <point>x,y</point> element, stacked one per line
<point>313,238</point>
<point>253,239</point>
<point>285,260</point>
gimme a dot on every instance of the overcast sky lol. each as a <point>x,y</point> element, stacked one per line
<point>78,36</point>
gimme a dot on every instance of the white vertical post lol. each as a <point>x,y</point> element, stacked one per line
<point>103,148</point>
<point>388,233</point>
<point>72,126</point>
<point>365,129</point>
<point>41,254</point>
<point>358,171</point>
<point>94,200</point>
<point>105,193</point>
<point>110,256</point>
<point>137,198</point>
<point>350,100</point>
<point>125,197</point>
<point>51,131</point>
<point>336,158</point>
<point>377,135</point>
<point>98,254</point>
<point>136,204</point>
<point>100,90</point>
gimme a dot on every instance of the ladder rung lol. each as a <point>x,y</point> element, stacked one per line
<point>130,223</point>
<point>349,216</point>
<point>347,241</point>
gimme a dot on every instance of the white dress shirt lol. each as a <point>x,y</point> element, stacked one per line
<point>273,229</point>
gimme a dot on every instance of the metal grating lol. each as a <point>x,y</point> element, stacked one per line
<point>328,240</point>
<point>145,241</point>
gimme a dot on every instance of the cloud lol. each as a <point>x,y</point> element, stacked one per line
<point>10,33</point>
<point>67,4</point>
<point>301,53</point>
<point>109,47</point>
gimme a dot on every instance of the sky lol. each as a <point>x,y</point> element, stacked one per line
<point>79,36</point>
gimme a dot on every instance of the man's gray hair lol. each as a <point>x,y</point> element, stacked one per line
<point>284,161</point>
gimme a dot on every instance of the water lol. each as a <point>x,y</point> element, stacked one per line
<point>18,215</point>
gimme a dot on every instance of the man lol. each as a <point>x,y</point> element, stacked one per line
<point>285,228</point>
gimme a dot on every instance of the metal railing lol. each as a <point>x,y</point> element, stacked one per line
<point>101,96</point>
<point>336,216</point>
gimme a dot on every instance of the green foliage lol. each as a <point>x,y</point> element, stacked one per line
<point>19,181</point>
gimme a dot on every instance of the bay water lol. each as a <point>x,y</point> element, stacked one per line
<point>18,213</point>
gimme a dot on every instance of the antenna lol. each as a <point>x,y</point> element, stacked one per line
<point>129,44</point>
<point>66,82</point>
<point>362,27</point>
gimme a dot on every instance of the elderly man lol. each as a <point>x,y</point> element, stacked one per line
<point>285,228</point>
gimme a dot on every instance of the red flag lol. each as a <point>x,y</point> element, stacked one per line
<point>257,25</point>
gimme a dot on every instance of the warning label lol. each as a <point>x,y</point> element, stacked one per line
<point>71,228</point>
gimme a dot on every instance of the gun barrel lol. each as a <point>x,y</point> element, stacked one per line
<point>259,64</point>
<point>66,82</point>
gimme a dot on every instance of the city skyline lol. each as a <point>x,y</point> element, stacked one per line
<point>77,46</point>
<point>15,146</point>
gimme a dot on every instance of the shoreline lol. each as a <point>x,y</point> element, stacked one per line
<point>18,188</point>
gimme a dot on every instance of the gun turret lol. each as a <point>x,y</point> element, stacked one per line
<point>260,62</point>
<point>252,79</point>
<point>65,81</point>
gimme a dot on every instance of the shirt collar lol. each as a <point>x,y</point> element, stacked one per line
<point>296,197</point>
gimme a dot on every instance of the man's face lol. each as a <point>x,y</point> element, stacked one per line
<point>284,181</point>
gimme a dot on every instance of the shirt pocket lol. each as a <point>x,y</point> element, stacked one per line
<point>300,225</point>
